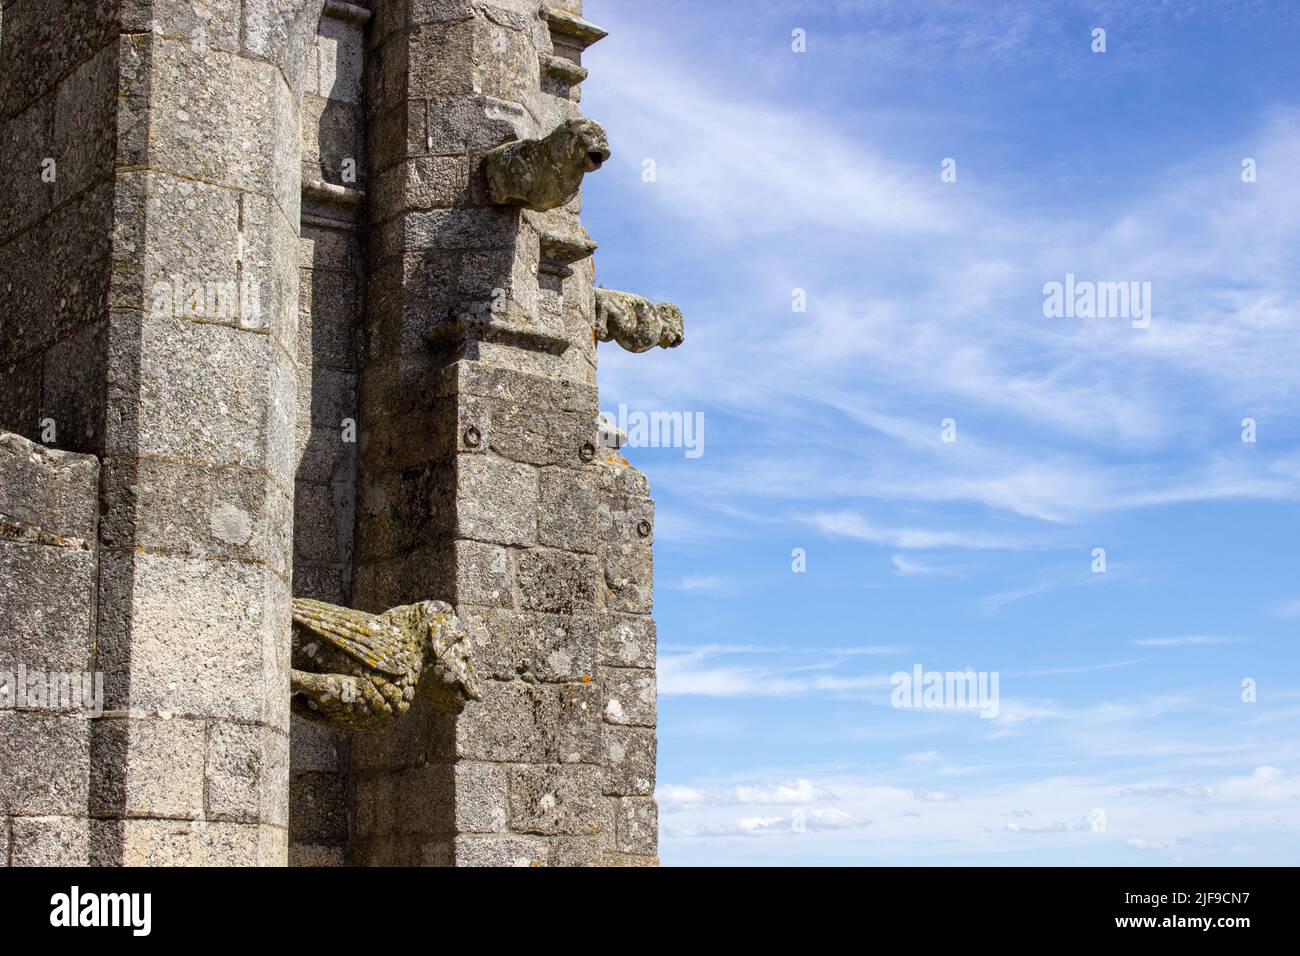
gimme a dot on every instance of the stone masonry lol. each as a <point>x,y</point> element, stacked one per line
<point>269,328</point>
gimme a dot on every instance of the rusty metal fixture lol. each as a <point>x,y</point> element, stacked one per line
<point>473,437</point>
<point>587,452</point>
<point>643,528</point>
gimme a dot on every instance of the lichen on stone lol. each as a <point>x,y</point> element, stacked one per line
<point>355,671</point>
<point>636,324</point>
<point>541,174</point>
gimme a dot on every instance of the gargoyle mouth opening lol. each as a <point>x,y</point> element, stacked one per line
<point>596,160</point>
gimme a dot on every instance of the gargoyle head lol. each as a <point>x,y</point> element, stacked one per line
<point>541,174</point>
<point>674,325</point>
<point>635,323</point>
<point>449,679</point>
<point>585,143</point>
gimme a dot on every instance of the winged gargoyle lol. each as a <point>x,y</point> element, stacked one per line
<point>540,174</point>
<point>355,671</point>
<point>634,323</point>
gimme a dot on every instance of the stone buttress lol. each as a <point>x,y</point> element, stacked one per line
<point>296,303</point>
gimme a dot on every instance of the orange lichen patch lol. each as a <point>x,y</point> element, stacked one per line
<point>586,678</point>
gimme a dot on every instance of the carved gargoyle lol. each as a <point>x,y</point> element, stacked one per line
<point>634,323</point>
<point>541,174</point>
<point>354,671</point>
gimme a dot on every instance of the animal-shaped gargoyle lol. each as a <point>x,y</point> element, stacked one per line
<point>354,671</point>
<point>635,324</point>
<point>540,174</point>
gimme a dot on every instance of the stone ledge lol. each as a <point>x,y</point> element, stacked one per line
<point>579,32</point>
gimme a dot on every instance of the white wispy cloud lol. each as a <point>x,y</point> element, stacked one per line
<point>846,524</point>
<point>1138,843</point>
<point>909,567</point>
<point>701,672</point>
<point>1080,669</point>
<point>1286,609</point>
<point>699,583</point>
<point>1043,407</point>
<point>888,823</point>
<point>1189,641</point>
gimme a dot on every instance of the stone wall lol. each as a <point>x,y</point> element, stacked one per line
<point>330,303</point>
<point>59,131</point>
<point>49,513</point>
<point>408,412</point>
<point>480,480</point>
<point>174,133</point>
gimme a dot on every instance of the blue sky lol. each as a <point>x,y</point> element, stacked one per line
<point>1120,692</point>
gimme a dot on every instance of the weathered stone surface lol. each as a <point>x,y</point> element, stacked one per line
<point>482,797</point>
<point>333,133</point>
<point>305,854</point>
<point>554,800</point>
<point>624,519</point>
<point>209,393</point>
<point>556,582</point>
<point>281,31</point>
<point>53,491</point>
<point>318,809</point>
<point>505,496</point>
<point>483,574</point>
<point>627,859</point>
<point>338,60</point>
<point>196,510</point>
<point>199,843</point>
<point>627,640</point>
<point>215,24</point>
<point>515,721</point>
<point>356,671</point>
<point>316,748</point>
<point>422,183</point>
<point>322,530</point>
<point>629,696</point>
<point>577,738</point>
<point>569,500</point>
<point>69,364</point>
<point>587,849</point>
<point>204,633</point>
<point>329,301</point>
<point>400,512</point>
<point>20,391</point>
<point>540,174</point>
<point>84,127</point>
<point>628,578</point>
<point>51,841</point>
<point>629,762</point>
<point>26,140</point>
<point>246,779</point>
<point>634,323</point>
<point>69,292</point>
<point>45,606</point>
<point>545,647</point>
<point>485,850</point>
<point>42,45</point>
<point>48,779</point>
<point>638,825</point>
<point>520,433</point>
<point>149,768</point>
